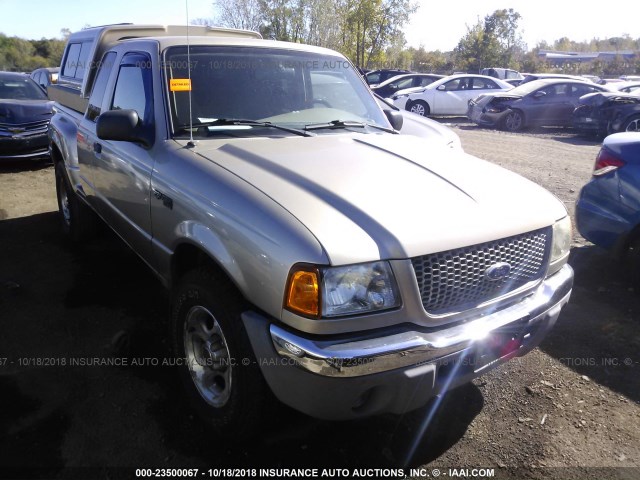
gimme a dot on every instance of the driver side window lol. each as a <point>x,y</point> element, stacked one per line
<point>133,87</point>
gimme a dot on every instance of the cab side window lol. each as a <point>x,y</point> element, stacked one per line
<point>75,63</point>
<point>100,85</point>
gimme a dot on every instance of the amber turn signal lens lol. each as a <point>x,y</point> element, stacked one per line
<point>302,295</point>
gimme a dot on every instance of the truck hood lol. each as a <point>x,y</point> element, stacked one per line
<point>370,197</point>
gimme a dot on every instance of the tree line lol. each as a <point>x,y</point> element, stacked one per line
<point>363,30</point>
<point>20,55</point>
<point>370,34</point>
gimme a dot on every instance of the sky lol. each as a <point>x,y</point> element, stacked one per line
<point>437,25</point>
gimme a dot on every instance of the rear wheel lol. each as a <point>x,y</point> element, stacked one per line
<point>78,221</point>
<point>633,124</point>
<point>419,107</point>
<point>217,365</point>
<point>513,121</point>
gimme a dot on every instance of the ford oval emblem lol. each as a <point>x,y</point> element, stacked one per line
<point>497,271</point>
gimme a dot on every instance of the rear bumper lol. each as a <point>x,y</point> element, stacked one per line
<point>401,369</point>
<point>598,224</point>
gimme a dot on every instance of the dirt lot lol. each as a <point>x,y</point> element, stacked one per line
<point>570,409</point>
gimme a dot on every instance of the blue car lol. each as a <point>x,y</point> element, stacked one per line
<point>608,209</point>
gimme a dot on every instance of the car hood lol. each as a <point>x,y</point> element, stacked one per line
<point>504,95</point>
<point>409,91</point>
<point>597,99</point>
<point>25,111</point>
<point>370,197</point>
<point>498,97</point>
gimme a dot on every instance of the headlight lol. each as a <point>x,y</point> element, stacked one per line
<point>561,244</point>
<point>340,291</point>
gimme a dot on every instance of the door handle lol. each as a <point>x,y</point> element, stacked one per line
<point>97,147</point>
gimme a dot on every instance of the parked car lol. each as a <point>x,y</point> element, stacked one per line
<point>514,82</point>
<point>447,96</point>
<point>608,208</point>
<point>375,77</point>
<point>543,102</point>
<point>25,112</point>
<point>502,73</point>
<point>530,77</point>
<point>45,76</point>
<point>424,127</point>
<point>402,82</point>
<point>604,113</point>
<point>594,79</point>
<point>632,86</point>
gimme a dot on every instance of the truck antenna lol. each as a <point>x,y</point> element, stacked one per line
<point>191,143</point>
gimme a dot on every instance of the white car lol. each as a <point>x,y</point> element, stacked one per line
<point>626,87</point>
<point>448,96</point>
<point>423,127</point>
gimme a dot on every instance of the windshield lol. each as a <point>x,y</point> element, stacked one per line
<point>16,88</point>
<point>283,87</point>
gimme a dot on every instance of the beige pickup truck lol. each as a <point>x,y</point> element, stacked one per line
<point>310,250</point>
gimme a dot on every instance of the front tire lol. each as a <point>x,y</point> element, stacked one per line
<point>78,221</point>
<point>217,365</point>
<point>513,121</point>
<point>419,107</point>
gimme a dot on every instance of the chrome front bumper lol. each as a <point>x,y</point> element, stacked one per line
<point>366,356</point>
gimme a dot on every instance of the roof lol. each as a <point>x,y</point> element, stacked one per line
<point>166,42</point>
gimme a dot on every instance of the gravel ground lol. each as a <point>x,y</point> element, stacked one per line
<point>569,409</point>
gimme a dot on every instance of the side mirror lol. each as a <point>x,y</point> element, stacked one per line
<point>539,94</point>
<point>121,125</point>
<point>442,88</point>
<point>395,118</point>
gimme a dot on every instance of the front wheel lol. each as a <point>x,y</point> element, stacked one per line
<point>419,107</point>
<point>217,365</point>
<point>513,121</point>
<point>78,221</point>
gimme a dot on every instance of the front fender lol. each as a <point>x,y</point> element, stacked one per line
<point>63,133</point>
<point>203,238</point>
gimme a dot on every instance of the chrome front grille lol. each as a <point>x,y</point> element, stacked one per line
<point>456,280</point>
<point>24,129</point>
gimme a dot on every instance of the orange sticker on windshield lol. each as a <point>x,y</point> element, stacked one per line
<point>180,85</point>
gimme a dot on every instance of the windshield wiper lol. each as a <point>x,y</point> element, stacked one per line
<point>337,124</point>
<point>240,121</point>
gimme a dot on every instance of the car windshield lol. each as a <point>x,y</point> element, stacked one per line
<point>282,87</point>
<point>16,88</point>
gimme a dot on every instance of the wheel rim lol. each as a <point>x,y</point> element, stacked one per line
<point>207,356</point>
<point>64,205</point>
<point>418,108</point>
<point>513,121</point>
<point>634,125</point>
